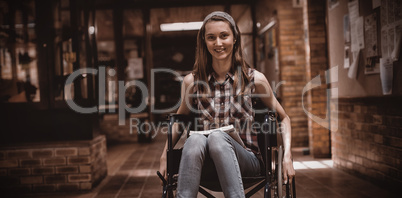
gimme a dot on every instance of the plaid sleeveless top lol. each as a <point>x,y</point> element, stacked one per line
<point>224,106</point>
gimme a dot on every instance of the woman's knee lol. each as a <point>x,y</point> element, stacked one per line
<point>218,141</point>
<point>195,145</point>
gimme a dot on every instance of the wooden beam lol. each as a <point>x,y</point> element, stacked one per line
<point>118,40</point>
<point>254,32</point>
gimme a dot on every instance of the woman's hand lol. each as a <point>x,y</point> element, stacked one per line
<point>288,170</point>
<point>162,167</point>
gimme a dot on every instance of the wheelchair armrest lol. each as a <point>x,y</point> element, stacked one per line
<point>174,155</point>
<point>180,118</point>
<point>268,129</point>
<point>187,120</point>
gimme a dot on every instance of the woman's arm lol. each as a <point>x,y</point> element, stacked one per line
<point>183,109</point>
<point>264,91</point>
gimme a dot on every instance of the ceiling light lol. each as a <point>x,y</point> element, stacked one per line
<point>91,30</point>
<point>166,27</point>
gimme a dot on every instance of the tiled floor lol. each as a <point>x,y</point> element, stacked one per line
<point>132,173</point>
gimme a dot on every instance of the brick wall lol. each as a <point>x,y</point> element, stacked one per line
<point>319,136</point>
<point>53,167</point>
<point>293,70</point>
<point>368,142</point>
<point>292,61</point>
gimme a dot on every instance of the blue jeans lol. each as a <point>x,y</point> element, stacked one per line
<point>218,153</point>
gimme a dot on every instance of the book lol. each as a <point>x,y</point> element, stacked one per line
<point>227,129</point>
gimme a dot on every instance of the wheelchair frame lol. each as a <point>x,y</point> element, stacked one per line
<point>272,155</point>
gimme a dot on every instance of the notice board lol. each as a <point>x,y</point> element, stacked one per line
<point>360,34</point>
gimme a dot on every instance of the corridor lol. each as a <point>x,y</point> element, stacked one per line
<point>132,173</point>
<point>80,78</point>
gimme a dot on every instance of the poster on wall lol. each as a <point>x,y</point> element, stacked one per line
<point>356,26</point>
<point>356,37</point>
<point>352,73</point>
<point>398,40</point>
<point>372,65</point>
<point>391,27</point>
<point>370,31</point>
<point>386,75</point>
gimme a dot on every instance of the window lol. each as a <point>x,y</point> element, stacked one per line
<point>19,77</point>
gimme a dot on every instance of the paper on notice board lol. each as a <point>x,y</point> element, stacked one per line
<point>386,75</point>
<point>384,14</point>
<point>353,10</point>
<point>370,30</point>
<point>391,27</point>
<point>352,73</point>
<point>356,26</point>
<point>389,43</point>
<point>384,42</point>
<point>358,34</point>
<point>371,66</point>
<point>397,46</point>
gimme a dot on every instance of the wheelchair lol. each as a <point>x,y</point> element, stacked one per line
<point>270,144</point>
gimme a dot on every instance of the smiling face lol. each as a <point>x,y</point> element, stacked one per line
<point>219,40</point>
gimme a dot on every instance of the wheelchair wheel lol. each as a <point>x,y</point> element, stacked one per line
<point>282,190</point>
<point>291,189</point>
<point>276,169</point>
<point>279,173</point>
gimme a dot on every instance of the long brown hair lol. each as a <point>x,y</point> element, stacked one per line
<point>203,59</point>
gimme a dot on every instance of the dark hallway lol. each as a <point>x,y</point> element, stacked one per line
<point>81,80</point>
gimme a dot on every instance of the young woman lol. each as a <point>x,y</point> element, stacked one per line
<point>220,88</point>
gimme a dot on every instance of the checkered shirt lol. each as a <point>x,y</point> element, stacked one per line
<point>223,107</point>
